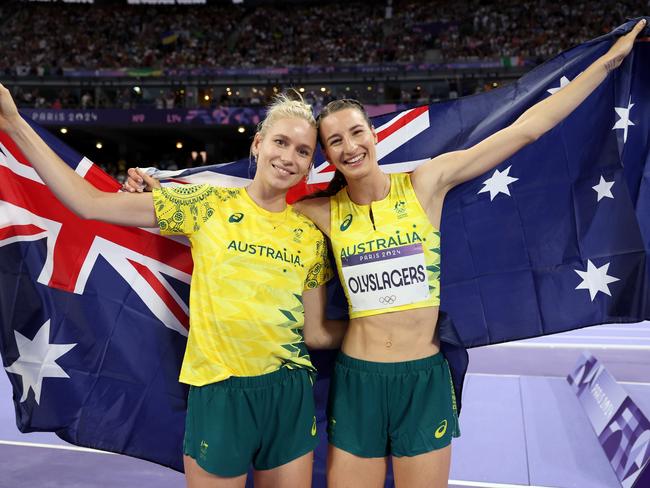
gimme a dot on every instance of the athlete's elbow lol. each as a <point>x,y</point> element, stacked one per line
<point>533,127</point>
<point>531,137</point>
<point>94,209</point>
<point>529,129</point>
<point>82,211</point>
<point>87,210</point>
<point>83,214</point>
<point>319,340</point>
<point>312,339</point>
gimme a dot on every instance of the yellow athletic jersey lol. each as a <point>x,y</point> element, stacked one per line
<point>250,269</point>
<point>387,253</point>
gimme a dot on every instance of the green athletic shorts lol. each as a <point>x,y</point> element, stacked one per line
<point>265,420</point>
<point>402,409</point>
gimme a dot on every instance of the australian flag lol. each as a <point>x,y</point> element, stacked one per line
<point>93,317</point>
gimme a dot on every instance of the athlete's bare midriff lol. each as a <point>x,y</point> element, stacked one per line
<point>393,337</point>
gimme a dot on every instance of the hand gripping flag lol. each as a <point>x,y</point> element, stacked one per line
<point>93,316</point>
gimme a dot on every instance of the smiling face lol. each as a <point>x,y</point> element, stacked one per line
<point>349,142</point>
<point>284,152</point>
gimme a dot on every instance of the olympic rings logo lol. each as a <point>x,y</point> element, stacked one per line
<point>389,300</point>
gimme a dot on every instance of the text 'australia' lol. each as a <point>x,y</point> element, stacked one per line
<point>399,239</point>
<point>265,251</point>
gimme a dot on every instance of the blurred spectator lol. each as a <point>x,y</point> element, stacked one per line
<point>86,100</point>
<point>170,99</point>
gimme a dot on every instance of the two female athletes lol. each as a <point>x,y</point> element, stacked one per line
<point>390,360</point>
<point>391,391</point>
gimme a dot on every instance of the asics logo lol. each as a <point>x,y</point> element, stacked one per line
<point>204,449</point>
<point>347,221</point>
<point>389,300</point>
<point>400,209</point>
<point>440,431</point>
<point>236,217</point>
<point>313,428</point>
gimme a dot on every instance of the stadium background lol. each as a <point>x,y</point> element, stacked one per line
<point>178,85</point>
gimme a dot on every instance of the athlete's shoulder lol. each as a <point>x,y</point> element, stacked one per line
<point>181,195</point>
<point>188,194</point>
<point>317,209</point>
<point>401,178</point>
<point>341,195</point>
<point>184,209</point>
<point>224,194</point>
<point>304,206</point>
<point>301,218</point>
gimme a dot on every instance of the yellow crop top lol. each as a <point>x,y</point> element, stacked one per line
<point>250,269</point>
<point>387,253</point>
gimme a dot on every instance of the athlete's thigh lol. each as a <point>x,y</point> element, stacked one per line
<point>346,470</point>
<point>294,474</point>
<point>430,470</point>
<point>197,477</point>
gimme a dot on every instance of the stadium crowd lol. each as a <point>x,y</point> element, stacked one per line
<point>534,30</point>
<point>158,38</point>
<point>93,37</point>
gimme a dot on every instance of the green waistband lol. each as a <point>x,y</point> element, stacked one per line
<point>390,368</point>
<point>261,381</point>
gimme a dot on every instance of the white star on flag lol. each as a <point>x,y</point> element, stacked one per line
<point>604,189</point>
<point>498,183</point>
<point>37,360</point>
<point>624,122</point>
<point>595,279</point>
<point>564,81</point>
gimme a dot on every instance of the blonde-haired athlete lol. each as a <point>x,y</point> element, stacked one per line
<point>259,271</point>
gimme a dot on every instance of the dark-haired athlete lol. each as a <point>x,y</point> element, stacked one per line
<point>391,391</point>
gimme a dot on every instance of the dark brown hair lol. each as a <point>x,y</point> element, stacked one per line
<point>338,181</point>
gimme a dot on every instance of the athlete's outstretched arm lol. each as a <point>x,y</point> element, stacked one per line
<point>319,331</point>
<point>76,193</point>
<point>442,173</point>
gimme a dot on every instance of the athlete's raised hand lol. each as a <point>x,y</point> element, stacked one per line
<point>8,111</point>
<point>623,46</point>
<point>434,178</point>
